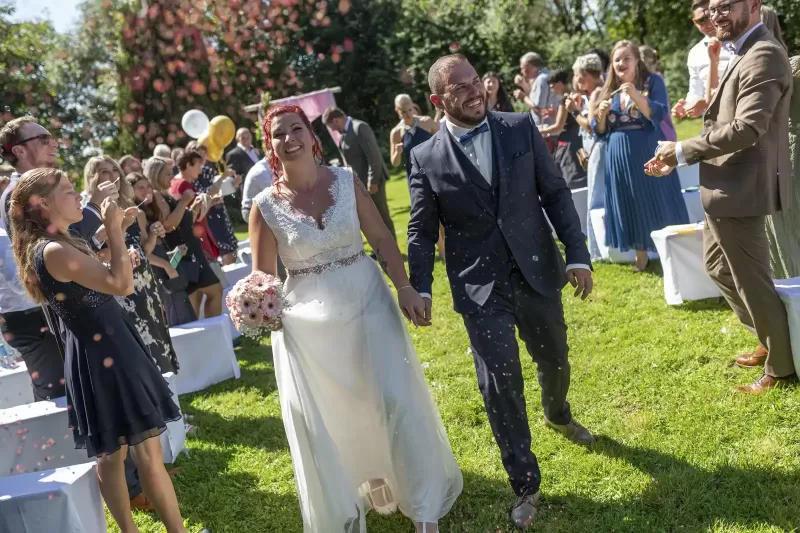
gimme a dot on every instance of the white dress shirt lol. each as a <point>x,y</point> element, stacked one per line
<point>258,178</point>
<point>13,297</point>
<point>478,149</point>
<point>480,152</point>
<point>251,152</point>
<point>698,64</point>
<point>737,46</point>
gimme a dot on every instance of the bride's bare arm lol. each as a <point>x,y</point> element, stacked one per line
<point>263,244</point>
<point>385,246</point>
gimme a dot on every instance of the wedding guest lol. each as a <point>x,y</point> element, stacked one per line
<point>496,97</point>
<point>784,227</point>
<point>129,164</point>
<point>205,280</point>
<point>176,153</point>
<point>566,132</point>
<point>219,223</point>
<point>162,150</point>
<point>258,178</point>
<point>770,20</point>
<point>120,402</point>
<point>413,129</point>
<point>242,158</point>
<point>628,117</point>
<point>650,58</point>
<point>604,58</point>
<point>745,175</point>
<point>144,305</point>
<point>534,91</point>
<point>588,81</point>
<point>360,151</point>
<point>695,103</point>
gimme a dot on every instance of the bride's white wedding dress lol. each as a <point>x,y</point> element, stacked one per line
<point>354,400</point>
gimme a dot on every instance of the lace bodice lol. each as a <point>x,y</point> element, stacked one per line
<point>302,245</point>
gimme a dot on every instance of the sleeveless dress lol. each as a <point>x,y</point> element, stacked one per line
<point>413,137</point>
<point>145,308</point>
<point>638,204</point>
<point>194,266</point>
<point>116,393</point>
<point>354,399</point>
<point>218,220</point>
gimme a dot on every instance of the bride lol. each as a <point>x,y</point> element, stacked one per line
<point>362,426</point>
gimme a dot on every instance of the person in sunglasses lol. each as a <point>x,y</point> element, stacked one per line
<point>698,62</point>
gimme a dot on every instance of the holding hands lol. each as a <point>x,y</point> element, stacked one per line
<point>664,162</point>
<point>416,309</point>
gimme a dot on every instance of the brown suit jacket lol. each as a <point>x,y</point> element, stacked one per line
<point>743,149</point>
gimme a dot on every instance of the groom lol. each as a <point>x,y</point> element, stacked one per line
<point>490,180</point>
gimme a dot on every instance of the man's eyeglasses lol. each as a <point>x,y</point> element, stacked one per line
<point>702,20</point>
<point>44,138</point>
<point>723,10</point>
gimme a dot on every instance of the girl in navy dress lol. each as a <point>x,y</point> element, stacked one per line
<point>628,118</point>
<point>119,400</point>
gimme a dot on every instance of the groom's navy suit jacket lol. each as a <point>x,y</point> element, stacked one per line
<point>490,229</point>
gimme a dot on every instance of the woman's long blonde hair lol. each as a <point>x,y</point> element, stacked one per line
<point>90,180</point>
<point>642,72</point>
<point>31,227</point>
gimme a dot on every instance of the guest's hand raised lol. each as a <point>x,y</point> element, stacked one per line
<point>519,94</point>
<point>157,229</point>
<point>113,216</point>
<point>697,109</point>
<point>107,189</point>
<point>520,81</point>
<point>602,109</point>
<point>130,217</point>
<point>629,89</point>
<point>679,109</point>
<point>581,280</point>
<point>133,254</point>
<point>714,49</point>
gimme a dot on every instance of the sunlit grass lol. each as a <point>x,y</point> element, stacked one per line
<point>677,450</point>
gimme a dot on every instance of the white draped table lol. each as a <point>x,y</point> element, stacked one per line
<point>681,252</point>
<point>236,272</point>
<point>36,436</point>
<point>789,291</point>
<point>63,500</point>
<point>205,353</point>
<point>15,386</point>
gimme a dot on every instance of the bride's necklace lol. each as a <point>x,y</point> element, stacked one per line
<point>298,192</point>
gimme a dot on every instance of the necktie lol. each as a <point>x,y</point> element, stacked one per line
<point>467,137</point>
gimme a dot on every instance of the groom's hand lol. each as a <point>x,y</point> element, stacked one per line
<point>581,279</point>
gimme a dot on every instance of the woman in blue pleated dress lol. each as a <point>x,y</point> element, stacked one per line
<point>628,117</point>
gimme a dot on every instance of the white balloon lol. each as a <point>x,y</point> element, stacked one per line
<point>195,123</point>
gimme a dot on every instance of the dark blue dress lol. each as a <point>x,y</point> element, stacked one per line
<point>637,204</point>
<point>116,393</point>
<point>413,137</point>
<point>218,220</point>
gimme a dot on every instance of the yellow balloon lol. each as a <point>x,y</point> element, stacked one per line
<point>214,150</point>
<point>222,130</point>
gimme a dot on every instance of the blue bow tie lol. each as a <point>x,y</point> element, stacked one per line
<point>467,137</point>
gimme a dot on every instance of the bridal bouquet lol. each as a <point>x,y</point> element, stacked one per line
<point>256,304</point>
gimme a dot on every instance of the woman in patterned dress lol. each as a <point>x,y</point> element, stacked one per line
<point>144,306</point>
<point>218,220</point>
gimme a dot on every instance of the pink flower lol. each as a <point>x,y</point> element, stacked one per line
<point>253,318</point>
<point>271,306</point>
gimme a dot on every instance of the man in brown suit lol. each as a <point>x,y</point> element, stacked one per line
<point>745,175</point>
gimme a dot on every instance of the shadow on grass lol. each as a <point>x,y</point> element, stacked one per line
<point>683,497</point>
<point>710,304</point>
<point>234,501</point>
<point>261,432</point>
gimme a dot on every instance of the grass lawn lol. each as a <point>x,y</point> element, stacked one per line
<point>677,451</point>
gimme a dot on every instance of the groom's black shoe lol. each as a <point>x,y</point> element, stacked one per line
<point>524,510</point>
<point>573,431</point>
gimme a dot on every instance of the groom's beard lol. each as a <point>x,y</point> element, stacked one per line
<point>470,119</point>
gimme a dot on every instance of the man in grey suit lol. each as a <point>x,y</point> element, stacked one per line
<point>745,175</point>
<point>360,151</point>
<point>489,179</point>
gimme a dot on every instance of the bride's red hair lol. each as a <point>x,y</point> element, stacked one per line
<point>266,133</point>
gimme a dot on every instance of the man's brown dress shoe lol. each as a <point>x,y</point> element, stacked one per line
<point>751,360</point>
<point>141,503</point>
<point>765,383</point>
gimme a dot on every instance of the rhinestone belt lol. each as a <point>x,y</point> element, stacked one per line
<point>326,267</point>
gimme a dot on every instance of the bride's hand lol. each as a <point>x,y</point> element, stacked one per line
<point>413,306</point>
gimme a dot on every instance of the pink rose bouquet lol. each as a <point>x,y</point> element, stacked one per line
<point>256,304</point>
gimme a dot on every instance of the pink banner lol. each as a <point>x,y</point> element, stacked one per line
<point>313,105</point>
